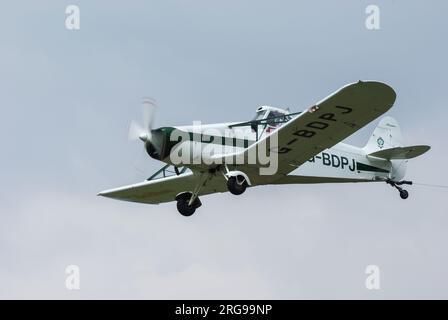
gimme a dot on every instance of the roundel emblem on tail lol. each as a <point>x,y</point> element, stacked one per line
<point>380,142</point>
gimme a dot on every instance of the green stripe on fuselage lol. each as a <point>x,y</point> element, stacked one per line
<point>365,167</point>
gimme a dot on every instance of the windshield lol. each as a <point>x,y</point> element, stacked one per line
<point>275,118</point>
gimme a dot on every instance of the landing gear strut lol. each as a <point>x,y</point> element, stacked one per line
<point>403,193</point>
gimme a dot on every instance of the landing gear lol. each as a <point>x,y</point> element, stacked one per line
<point>237,185</point>
<point>184,209</point>
<point>188,202</point>
<point>184,206</point>
<point>237,181</point>
<point>403,193</point>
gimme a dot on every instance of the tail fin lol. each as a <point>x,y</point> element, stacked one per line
<point>386,143</point>
<point>385,136</point>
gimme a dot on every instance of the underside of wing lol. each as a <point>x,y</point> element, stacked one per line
<point>164,189</point>
<point>328,122</point>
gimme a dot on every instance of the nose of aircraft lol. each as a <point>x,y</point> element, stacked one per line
<point>154,143</point>
<point>144,137</point>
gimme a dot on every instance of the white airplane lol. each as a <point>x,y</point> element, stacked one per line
<point>299,148</point>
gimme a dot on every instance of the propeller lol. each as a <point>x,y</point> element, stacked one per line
<point>144,131</point>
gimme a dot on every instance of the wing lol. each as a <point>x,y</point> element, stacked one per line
<point>326,123</point>
<point>165,189</point>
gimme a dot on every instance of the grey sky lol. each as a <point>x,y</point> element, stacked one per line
<point>67,98</point>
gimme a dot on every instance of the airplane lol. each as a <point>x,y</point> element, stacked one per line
<point>277,147</point>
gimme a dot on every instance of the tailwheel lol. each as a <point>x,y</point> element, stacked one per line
<point>237,185</point>
<point>404,194</point>
<point>396,184</point>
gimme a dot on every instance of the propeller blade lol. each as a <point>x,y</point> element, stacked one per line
<point>135,130</point>
<point>149,107</point>
<point>145,132</point>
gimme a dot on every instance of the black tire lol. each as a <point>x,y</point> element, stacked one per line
<point>404,194</point>
<point>236,187</point>
<point>183,207</point>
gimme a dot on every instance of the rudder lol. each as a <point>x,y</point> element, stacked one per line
<point>387,135</point>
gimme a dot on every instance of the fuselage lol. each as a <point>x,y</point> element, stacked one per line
<point>341,163</point>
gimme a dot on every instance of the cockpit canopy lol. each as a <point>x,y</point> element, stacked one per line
<point>267,112</point>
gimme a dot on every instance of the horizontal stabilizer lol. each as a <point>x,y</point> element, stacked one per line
<point>400,152</point>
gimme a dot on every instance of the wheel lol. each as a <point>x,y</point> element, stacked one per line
<point>183,207</point>
<point>404,194</point>
<point>236,185</point>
